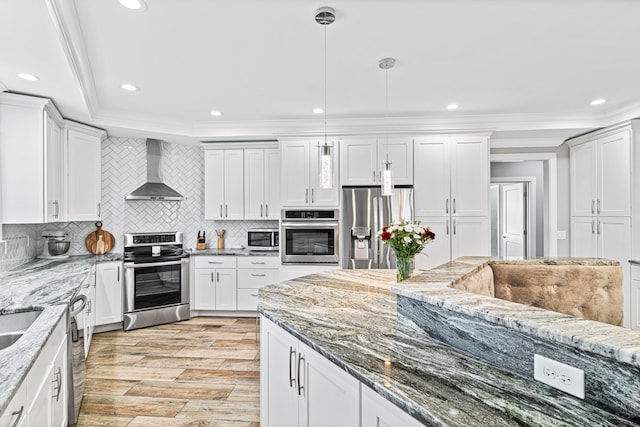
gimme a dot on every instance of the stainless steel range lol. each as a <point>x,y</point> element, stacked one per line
<point>156,279</point>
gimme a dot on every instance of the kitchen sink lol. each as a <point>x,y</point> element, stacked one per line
<point>13,326</point>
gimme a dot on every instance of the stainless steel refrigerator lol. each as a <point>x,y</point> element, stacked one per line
<point>365,211</point>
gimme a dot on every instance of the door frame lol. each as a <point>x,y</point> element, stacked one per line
<point>530,214</point>
<point>551,199</point>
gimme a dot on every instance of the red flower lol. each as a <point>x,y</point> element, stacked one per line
<point>385,235</point>
<point>428,234</point>
<point>385,228</point>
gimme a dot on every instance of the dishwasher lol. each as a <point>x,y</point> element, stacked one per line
<point>76,367</point>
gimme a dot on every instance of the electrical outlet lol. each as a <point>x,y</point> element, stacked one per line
<point>558,375</point>
<point>562,234</point>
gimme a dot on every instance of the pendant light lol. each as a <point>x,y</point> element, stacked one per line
<point>325,16</point>
<point>387,174</point>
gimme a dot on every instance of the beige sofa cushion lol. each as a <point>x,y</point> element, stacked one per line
<point>590,292</point>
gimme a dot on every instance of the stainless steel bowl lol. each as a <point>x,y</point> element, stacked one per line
<point>58,247</point>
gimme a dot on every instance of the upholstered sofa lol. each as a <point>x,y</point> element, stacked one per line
<point>592,292</point>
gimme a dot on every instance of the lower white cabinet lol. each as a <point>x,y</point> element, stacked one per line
<point>379,412</point>
<point>41,400</point>
<point>215,283</point>
<point>108,300</point>
<point>634,303</point>
<point>255,272</point>
<point>299,387</point>
<point>87,319</point>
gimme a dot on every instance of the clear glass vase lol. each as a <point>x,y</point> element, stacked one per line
<point>404,267</point>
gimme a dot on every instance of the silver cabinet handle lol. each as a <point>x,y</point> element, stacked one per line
<point>593,206</point>
<point>118,274</point>
<point>57,384</point>
<point>593,227</point>
<point>598,205</point>
<point>312,195</point>
<point>19,414</point>
<point>254,295</point>
<point>266,210</point>
<point>454,207</point>
<point>380,176</point>
<point>300,363</point>
<point>218,276</point>
<point>454,227</point>
<point>89,306</point>
<point>215,262</point>
<point>374,176</point>
<point>220,211</point>
<point>212,277</point>
<point>99,209</point>
<point>258,275</point>
<point>258,262</point>
<point>598,227</point>
<point>447,227</point>
<point>261,210</point>
<point>56,205</point>
<point>292,352</point>
<point>226,211</point>
<point>306,195</point>
<point>446,203</point>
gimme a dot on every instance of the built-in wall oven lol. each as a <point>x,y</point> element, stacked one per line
<point>156,279</point>
<point>310,236</point>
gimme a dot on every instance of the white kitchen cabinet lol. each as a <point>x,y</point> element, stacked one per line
<point>224,184</point>
<point>255,272</point>
<point>634,303</point>
<point>363,161</point>
<point>215,283</point>
<point>108,300</point>
<point>87,320</point>
<point>301,175</point>
<point>379,412</point>
<point>83,179</point>
<point>299,387</point>
<point>262,183</point>
<point>452,196</point>
<point>15,414</point>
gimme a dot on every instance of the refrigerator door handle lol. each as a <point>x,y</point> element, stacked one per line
<point>375,243</point>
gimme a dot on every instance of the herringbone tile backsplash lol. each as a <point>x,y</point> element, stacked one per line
<point>124,168</point>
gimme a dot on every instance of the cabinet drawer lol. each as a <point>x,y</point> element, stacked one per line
<point>248,299</point>
<point>259,262</point>
<point>215,261</point>
<point>255,279</point>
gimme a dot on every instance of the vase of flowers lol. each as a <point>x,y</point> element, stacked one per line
<point>406,239</point>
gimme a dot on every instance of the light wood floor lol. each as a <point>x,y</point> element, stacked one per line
<point>201,372</point>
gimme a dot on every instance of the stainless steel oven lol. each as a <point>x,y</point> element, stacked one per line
<point>156,279</point>
<point>310,236</point>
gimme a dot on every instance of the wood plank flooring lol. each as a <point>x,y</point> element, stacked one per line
<point>202,372</point>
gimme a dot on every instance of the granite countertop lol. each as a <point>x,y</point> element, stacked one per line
<point>231,252</point>
<point>46,285</point>
<point>350,317</point>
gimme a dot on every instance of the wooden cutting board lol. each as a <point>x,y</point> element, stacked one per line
<point>100,241</point>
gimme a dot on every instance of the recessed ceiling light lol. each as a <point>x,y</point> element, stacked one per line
<point>452,106</point>
<point>215,113</point>
<point>318,110</point>
<point>137,5</point>
<point>27,76</point>
<point>129,87</point>
<point>598,101</point>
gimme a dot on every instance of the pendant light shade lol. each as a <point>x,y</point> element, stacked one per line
<point>325,16</point>
<point>387,174</point>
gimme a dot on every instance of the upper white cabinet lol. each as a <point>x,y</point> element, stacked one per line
<point>301,175</point>
<point>50,168</point>
<point>83,178</point>
<point>452,196</point>
<point>363,161</point>
<point>224,184</point>
<point>262,183</point>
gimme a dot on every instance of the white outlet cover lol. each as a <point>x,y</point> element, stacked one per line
<point>558,375</point>
<point>562,234</point>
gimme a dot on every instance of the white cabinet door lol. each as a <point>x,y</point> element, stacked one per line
<point>379,412</point>
<point>583,180</point>
<point>272,187</point>
<point>329,197</point>
<point>584,240</point>
<point>438,251</point>
<point>226,289</point>
<point>204,289</point>
<point>295,173</point>
<point>614,175</point>
<point>254,184</point>
<point>634,303</point>
<point>108,293</point>
<point>470,237</point>
<point>15,414</point>
<point>359,164</point>
<point>469,176</point>
<point>432,177</point>
<point>58,381</point>
<point>331,397</point>
<point>278,376</point>
<point>400,153</point>
<point>84,178</point>
<point>234,184</point>
<point>214,184</point>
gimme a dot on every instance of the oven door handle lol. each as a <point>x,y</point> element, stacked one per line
<point>155,264</point>
<point>328,224</point>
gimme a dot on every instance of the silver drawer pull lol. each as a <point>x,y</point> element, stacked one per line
<point>254,295</point>
<point>215,262</point>
<point>258,262</point>
<point>258,275</point>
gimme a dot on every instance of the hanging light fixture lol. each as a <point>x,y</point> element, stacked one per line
<point>387,174</point>
<point>325,16</point>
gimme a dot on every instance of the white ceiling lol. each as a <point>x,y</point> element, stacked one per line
<point>525,70</point>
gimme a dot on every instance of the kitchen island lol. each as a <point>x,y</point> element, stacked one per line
<point>351,318</point>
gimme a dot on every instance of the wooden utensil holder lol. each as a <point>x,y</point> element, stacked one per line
<point>220,242</point>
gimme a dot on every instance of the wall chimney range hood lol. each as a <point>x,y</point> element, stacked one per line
<point>154,188</point>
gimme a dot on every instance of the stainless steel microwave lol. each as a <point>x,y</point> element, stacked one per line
<point>263,239</point>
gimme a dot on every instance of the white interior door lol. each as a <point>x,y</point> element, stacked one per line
<point>513,221</point>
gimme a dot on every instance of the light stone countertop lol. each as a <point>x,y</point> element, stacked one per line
<point>46,285</point>
<point>351,318</point>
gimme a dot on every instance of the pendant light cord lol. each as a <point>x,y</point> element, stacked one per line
<point>325,85</point>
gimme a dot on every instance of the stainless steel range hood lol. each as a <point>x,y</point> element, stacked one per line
<point>154,188</point>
